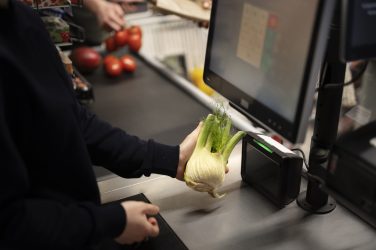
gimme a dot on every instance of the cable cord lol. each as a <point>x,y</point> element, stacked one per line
<point>351,81</point>
<point>314,178</point>
<point>303,155</point>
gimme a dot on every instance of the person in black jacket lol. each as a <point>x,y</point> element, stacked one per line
<point>49,198</point>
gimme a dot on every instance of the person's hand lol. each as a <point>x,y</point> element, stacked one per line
<point>128,5</point>
<point>139,227</point>
<point>206,5</point>
<point>109,15</point>
<point>186,150</point>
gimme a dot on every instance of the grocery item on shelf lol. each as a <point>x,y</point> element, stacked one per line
<point>83,89</point>
<point>57,28</point>
<point>56,17</point>
<point>67,62</point>
<point>41,4</point>
<point>52,3</point>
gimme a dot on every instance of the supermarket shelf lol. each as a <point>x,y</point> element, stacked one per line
<point>37,4</point>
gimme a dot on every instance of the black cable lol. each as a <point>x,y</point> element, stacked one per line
<point>303,155</point>
<point>321,183</point>
<point>351,81</point>
<point>359,75</point>
<point>314,178</point>
<point>305,174</point>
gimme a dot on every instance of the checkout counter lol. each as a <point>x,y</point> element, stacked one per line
<point>150,105</point>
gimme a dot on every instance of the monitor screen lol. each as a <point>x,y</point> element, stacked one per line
<point>265,56</point>
<point>359,36</point>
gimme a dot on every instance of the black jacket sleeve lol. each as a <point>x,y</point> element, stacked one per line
<point>124,154</point>
<point>45,223</point>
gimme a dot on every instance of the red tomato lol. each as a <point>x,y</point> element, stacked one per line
<point>113,68</point>
<point>109,58</point>
<point>134,42</point>
<point>85,59</point>
<point>128,63</point>
<point>135,29</point>
<point>110,44</point>
<point>121,38</point>
<point>65,36</point>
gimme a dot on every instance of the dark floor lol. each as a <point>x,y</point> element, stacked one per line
<point>145,104</point>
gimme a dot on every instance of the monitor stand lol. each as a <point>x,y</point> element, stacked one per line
<point>328,108</point>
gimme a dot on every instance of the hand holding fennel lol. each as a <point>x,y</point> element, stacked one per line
<point>205,170</point>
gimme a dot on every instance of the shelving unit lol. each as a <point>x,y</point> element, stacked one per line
<point>56,14</point>
<point>83,89</point>
<point>47,4</point>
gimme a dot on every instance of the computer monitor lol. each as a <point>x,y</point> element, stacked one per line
<point>265,58</point>
<point>358,31</point>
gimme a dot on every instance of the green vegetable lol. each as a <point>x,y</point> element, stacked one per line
<point>205,171</point>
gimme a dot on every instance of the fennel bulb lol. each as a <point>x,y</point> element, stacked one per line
<point>205,170</point>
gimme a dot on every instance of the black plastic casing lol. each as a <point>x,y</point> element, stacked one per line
<point>274,171</point>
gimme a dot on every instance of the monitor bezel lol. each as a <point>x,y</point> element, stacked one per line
<point>349,52</point>
<point>257,112</point>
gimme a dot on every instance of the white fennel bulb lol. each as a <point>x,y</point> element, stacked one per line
<point>205,170</point>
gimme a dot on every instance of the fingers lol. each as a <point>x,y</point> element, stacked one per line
<point>113,16</point>
<point>153,228</point>
<point>186,149</point>
<point>206,4</point>
<point>117,16</point>
<point>196,131</point>
<point>198,128</point>
<point>150,209</point>
<point>153,220</point>
<point>113,25</point>
<point>139,225</point>
<point>118,11</point>
<point>203,24</point>
<point>127,7</point>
